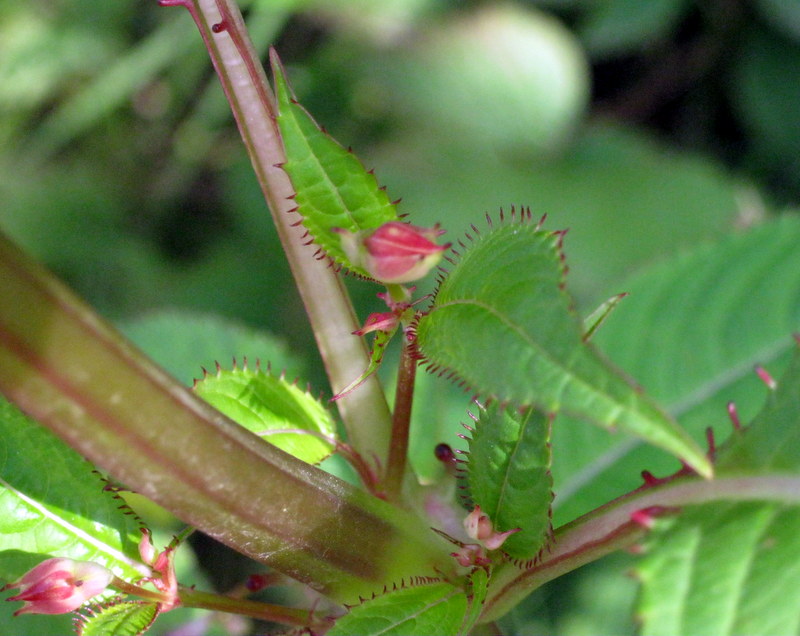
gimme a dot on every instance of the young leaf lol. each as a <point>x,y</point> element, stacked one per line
<point>724,569</point>
<point>509,475</point>
<point>503,324</point>
<point>432,608</point>
<point>52,503</point>
<point>595,320</point>
<point>379,343</point>
<point>333,190</point>
<point>127,618</point>
<point>478,586</point>
<point>264,404</point>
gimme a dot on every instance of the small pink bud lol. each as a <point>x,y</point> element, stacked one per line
<point>146,548</point>
<point>378,322</point>
<point>57,586</point>
<point>478,525</point>
<point>498,538</point>
<point>470,555</point>
<point>399,253</point>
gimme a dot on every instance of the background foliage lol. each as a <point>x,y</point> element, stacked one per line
<point>646,128</point>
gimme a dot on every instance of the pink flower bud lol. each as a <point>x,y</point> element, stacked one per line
<point>57,586</point>
<point>478,525</point>
<point>146,548</point>
<point>399,253</point>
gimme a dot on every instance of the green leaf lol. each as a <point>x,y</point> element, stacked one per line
<point>772,440</point>
<point>433,608</point>
<point>379,342</point>
<point>690,331</point>
<point>128,618</point>
<point>509,475</point>
<point>265,404</point>
<point>53,504</point>
<point>723,569</point>
<point>333,189</point>
<point>183,341</point>
<point>595,320</point>
<point>505,294</point>
<point>478,587</point>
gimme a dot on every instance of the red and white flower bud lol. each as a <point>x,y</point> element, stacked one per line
<point>395,252</point>
<point>480,527</point>
<point>399,253</point>
<point>58,585</point>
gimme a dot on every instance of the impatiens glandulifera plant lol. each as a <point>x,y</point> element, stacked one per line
<point>236,456</point>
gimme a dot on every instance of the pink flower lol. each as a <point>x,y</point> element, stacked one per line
<point>57,586</point>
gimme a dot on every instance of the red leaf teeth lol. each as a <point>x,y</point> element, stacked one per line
<point>766,378</point>
<point>734,417</point>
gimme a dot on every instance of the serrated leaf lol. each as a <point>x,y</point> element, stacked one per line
<point>264,403</point>
<point>53,504</point>
<point>333,189</point>
<point>690,330</point>
<point>502,322</point>
<point>772,440</point>
<point>127,618</point>
<point>434,608</point>
<point>723,569</point>
<point>509,475</point>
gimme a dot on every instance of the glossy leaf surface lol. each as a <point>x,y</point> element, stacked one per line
<point>265,404</point>
<point>333,189</point>
<point>435,608</point>
<point>509,475</point>
<point>505,294</point>
<point>53,503</point>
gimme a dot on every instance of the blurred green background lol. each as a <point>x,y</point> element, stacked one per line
<point>645,127</point>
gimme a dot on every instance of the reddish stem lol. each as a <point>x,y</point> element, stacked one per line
<point>401,422</point>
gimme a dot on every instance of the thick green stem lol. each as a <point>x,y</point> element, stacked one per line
<point>610,528</point>
<point>73,373</point>
<point>364,411</point>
